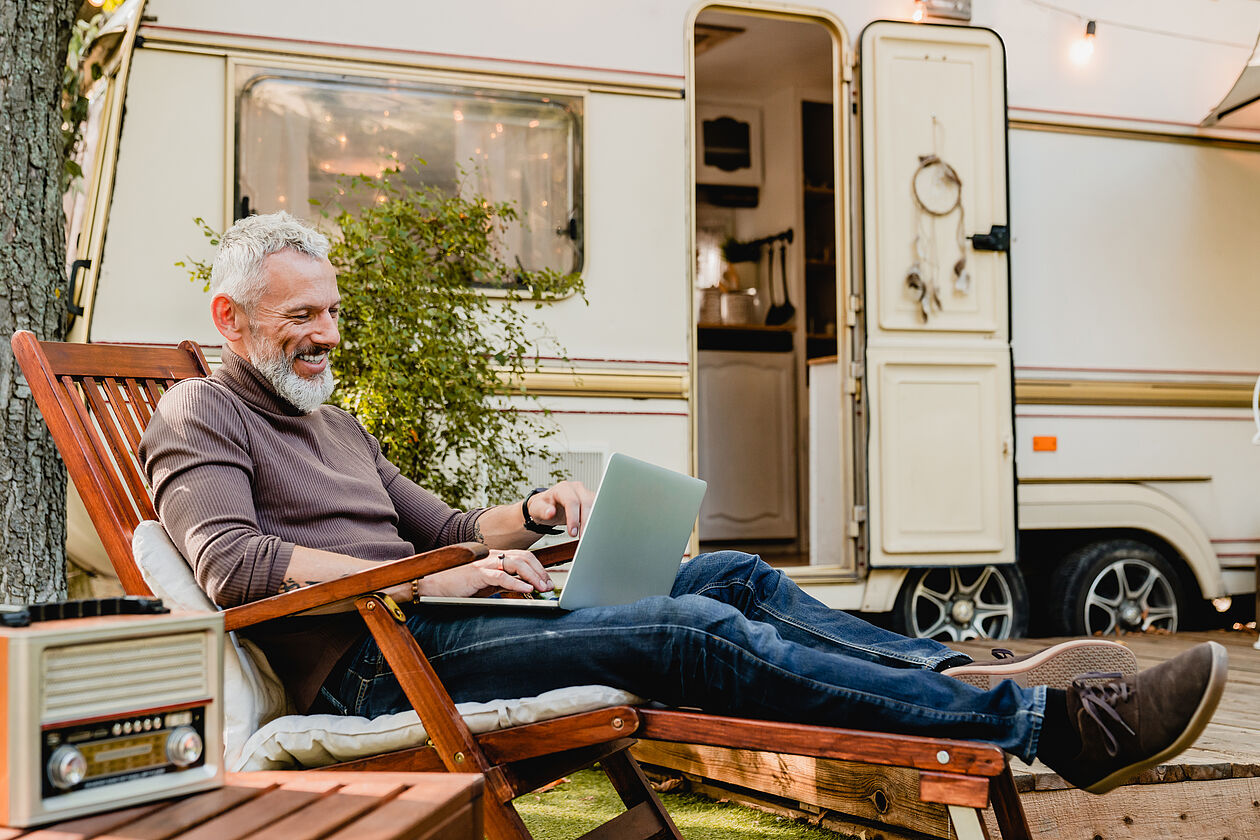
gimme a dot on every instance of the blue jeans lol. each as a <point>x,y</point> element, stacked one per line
<point>734,637</point>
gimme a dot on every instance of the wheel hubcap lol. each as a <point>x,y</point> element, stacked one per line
<point>1131,595</point>
<point>962,612</point>
<point>961,604</point>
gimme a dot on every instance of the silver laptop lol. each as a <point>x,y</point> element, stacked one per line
<point>632,545</point>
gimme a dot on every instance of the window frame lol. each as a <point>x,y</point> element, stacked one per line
<point>243,68</point>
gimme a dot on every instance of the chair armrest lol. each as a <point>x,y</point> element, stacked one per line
<point>361,583</point>
<point>554,555</point>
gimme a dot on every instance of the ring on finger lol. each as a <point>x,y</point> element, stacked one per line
<point>502,557</point>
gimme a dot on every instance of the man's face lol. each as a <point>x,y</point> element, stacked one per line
<point>294,326</point>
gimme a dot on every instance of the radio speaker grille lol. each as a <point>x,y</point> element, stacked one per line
<point>94,679</point>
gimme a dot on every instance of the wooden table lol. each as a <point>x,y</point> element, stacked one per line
<point>296,806</point>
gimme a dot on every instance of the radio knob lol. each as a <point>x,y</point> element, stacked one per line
<point>66,767</point>
<point>183,746</point>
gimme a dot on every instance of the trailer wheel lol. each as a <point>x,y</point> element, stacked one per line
<point>1112,586</point>
<point>953,604</point>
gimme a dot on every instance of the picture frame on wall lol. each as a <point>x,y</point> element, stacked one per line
<point>728,145</point>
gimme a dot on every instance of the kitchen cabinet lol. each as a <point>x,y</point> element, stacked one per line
<point>747,444</point>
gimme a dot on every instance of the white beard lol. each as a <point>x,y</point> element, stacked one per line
<point>306,395</point>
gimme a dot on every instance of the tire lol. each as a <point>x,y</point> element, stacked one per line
<point>1112,586</point>
<point>954,604</point>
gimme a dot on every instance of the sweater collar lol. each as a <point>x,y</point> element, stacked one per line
<point>243,379</point>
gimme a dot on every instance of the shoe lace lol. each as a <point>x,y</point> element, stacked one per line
<point>1002,653</point>
<point>1099,701</point>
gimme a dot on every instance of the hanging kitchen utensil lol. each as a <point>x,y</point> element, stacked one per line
<point>779,314</point>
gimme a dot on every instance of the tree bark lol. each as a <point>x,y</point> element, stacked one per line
<point>34,36</point>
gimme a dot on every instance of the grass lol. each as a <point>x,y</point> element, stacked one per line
<point>587,800</point>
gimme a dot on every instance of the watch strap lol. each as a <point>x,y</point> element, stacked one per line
<point>530,524</point>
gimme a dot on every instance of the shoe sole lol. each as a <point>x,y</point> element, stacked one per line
<point>1198,722</point>
<point>1055,666</point>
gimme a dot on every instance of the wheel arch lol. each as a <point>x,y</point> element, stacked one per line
<point>1135,511</point>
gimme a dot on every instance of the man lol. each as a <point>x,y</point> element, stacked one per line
<point>265,488</point>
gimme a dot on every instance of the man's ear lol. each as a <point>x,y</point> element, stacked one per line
<point>229,317</point>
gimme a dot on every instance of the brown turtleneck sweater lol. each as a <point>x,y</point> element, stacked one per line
<point>240,476</point>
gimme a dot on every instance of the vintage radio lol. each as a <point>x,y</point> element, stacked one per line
<point>107,711</point>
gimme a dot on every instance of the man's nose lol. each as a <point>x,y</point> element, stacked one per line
<point>326,332</point>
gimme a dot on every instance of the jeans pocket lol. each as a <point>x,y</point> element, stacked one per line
<point>326,702</point>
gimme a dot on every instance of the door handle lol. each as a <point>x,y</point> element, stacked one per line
<point>997,239</point>
<point>75,267</point>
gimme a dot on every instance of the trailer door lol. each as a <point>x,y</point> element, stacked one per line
<point>940,447</point>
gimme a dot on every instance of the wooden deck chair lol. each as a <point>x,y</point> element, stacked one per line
<point>97,400</point>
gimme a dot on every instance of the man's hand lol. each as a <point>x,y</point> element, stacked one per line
<point>511,569</point>
<point>567,504</point>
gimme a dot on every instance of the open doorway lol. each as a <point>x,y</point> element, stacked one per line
<point>768,251</point>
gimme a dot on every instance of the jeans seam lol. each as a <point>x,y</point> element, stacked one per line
<point>360,698</point>
<point>332,700</point>
<point>1037,715</point>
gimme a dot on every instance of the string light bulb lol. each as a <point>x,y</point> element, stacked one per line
<point>1083,48</point>
<point>920,11</point>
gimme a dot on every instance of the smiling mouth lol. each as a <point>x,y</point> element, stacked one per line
<point>313,358</point>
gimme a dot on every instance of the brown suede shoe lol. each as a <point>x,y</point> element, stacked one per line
<point>1127,726</point>
<point>1055,666</point>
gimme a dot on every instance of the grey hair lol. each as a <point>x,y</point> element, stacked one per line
<point>238,266</point>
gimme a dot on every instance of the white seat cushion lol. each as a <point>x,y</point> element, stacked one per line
<point>320,740</point>
<point>259,730</point>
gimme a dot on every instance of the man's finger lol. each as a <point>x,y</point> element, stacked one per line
<point>579,509</point>
<point>567,496</point>
<point>507,580</point>
<point>526,566</point>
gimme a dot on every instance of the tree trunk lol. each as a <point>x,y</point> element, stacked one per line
<point>34,36</point>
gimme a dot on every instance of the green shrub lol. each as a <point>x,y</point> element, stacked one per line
<point>436,333</point>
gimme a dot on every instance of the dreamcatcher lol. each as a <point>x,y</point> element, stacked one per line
<point>937,192</point>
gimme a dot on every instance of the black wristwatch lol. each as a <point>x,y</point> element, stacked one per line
<point>530,524</point>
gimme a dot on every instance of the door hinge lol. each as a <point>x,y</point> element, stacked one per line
<point>851,313</point>
<point>853,382</point>
<point>855,523</point>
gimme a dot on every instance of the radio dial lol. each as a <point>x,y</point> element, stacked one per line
<point>183,746</point>
<point>67,767</point>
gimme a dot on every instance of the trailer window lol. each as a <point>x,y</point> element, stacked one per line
<point>296,133</point>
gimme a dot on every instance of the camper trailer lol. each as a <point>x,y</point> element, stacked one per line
<point>950,301</point>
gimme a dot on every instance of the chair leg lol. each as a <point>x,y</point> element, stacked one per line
<point>633,788</point>
<point>966,822</point>
<point>450,735</point>
<point>1008,810</point>
<point>502,821</point>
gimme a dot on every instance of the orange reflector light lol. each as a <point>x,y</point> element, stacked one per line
<point>1045,443</point>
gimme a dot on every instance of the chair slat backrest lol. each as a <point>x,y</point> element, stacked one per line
<point>97,400</point>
